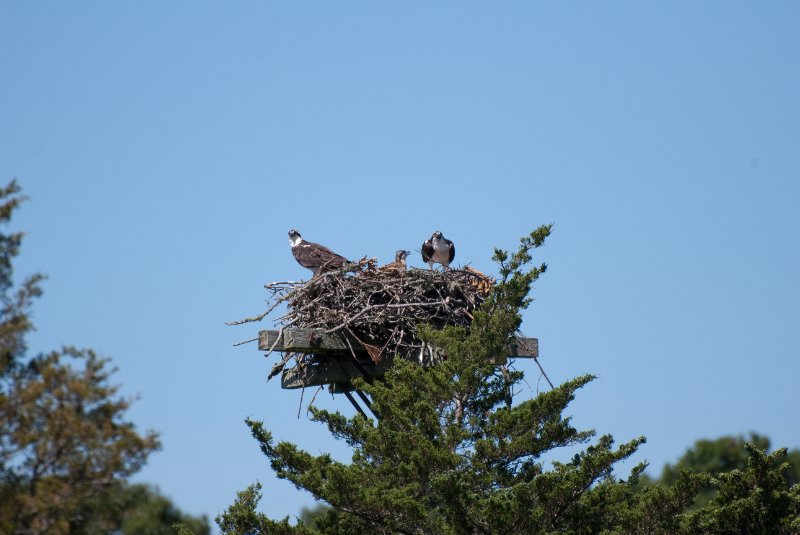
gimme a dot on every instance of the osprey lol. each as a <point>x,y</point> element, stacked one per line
<point>439,250</point>
<point>399,263</point>
<point>314,256</point>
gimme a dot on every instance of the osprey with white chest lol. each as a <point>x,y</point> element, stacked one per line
<point>314,256</point>
<point>438,250</point>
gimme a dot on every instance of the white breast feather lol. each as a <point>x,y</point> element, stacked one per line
<point>441,251</point>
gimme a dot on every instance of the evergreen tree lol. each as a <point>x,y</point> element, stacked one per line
<point>452,452</point>
<point>741,483</point>
<point>722,455</point>
<point>714,456</point>
<point>309,515</point>
<point>757,500</point>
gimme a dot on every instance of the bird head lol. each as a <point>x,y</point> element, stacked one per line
<point>294,237</point>
<point>401,255</point>
<point>437,235</point>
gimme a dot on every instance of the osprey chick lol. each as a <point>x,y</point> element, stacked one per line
<point>438,250</point>
<point>399,263</point>
<point>314,256</point>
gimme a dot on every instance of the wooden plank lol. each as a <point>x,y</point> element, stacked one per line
<point>316,341</point>
<point>303,341</point>
<point>525,348</point>
<point>339,388</point>
<point>267,338</point>
<point>325,370</point>
<point>313,340</point>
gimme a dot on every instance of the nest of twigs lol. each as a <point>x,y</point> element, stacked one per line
<point>380,310</point>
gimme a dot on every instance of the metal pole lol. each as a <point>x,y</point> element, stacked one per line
<point>355,404</point>
<point>361,394</point>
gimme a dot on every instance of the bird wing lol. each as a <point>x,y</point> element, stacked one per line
<point>452,250</point>
<point>427,250</point>
<point>312,255</point>
<point>304,257</point>
<point>325,251</point>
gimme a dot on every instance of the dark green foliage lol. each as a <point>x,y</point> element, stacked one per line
<point>714,456</point>
<point>755,501</point>
<point>242,517</point>
<point>743,489</point>
<point>133,510</point>
<point>720,456</point>
<point>309,515</point>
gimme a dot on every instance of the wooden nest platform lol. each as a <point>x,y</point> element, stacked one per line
<point>353,321</point>
<point>325,359</point>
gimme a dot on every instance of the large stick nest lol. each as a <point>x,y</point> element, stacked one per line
<point>381,309</point>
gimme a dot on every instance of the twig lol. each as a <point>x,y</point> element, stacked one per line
<point>379,309</point>
<point>300,405</point>
<point>250,319</point>
<point>310,403</point>
<point>372,307</point>
<point>283,283</point>
<point>277,340</point>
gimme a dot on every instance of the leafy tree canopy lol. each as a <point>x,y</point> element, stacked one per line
<point>65,445</point>
<point>135,509</point>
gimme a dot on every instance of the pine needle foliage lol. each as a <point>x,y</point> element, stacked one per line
<point>757,500</point>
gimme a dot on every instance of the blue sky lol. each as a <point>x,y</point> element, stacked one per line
<point>168,147</point>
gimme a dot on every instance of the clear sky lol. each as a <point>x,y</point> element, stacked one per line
<point>167,148</point>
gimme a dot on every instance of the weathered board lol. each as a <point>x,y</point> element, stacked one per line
<point>330,370</point>
<point>330,360</point>
<point>524,348</point>
<point>316,341</point>
<point>268,339</point>
<point>302,341</point>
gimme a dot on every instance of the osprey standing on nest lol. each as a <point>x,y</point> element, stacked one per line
<point>314,256</point>
<point>399,263</point>
<point>439,250</point>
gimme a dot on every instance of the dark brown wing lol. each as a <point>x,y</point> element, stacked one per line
<point>327,253</point>
<point>313,256</point>
<point>427,251</point>
<point>452,251</point>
